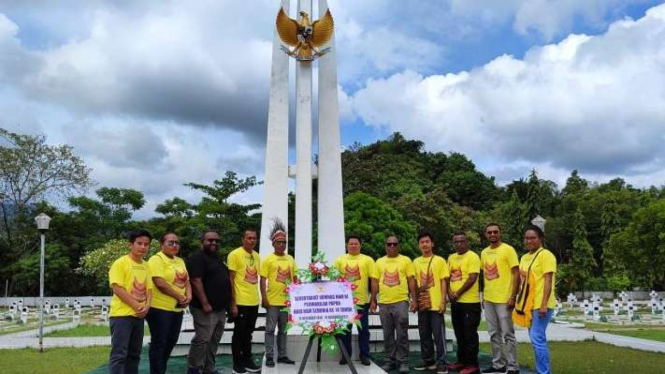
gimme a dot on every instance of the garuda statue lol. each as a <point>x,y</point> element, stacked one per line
<point>305,38</point>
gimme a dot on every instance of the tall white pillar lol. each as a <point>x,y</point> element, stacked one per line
<point>276,180</point>
<point>330,197</point>
<point>303,247</point>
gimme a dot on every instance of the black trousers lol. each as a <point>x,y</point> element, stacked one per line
<point>466,318</point>
<point>243,328</point>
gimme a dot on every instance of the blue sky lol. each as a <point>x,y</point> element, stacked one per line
<point>154,94</point>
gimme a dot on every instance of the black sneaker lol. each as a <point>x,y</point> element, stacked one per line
<point>513,371</point>
<point>251,367</point>
<point>493,370</point>
<point>441,369</point>
<point>270,362</point>
<point>239,369</point>
<point>365,361</point>
<point>285,360</point>
<point>343,361</point>
<point>425,366</point>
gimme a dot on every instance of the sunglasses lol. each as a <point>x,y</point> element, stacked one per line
<point>172,243</point>
<point>392,244</point>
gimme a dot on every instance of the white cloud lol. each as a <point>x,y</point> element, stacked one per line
<point>594,103</point>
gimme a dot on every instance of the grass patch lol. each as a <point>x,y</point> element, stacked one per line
<point>14,327</point>
<point>53,360</point>
<point>86,330</point>
<point>592,357</point>
<point>651,332</point>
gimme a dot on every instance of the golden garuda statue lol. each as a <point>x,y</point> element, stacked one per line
<point>305,38</point>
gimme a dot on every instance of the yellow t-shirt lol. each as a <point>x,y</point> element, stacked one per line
<point>357,269</point>
<point>497,263</point>
<point>545,263</point>
<point>437,272</point>
<point>461,266</point>
<point>392,275</point>
<point>247,268</point>
<point>277,269</point>
<point>134,278</point>
<point>174,273</point>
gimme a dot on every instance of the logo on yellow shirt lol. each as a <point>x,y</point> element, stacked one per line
<point>352,273</point>
<point>139,291</point>
<point>391,279</point>
<point>491,271</point>
<point>455,274</point>
<point>251,275</point>
<point>426,280</point>
<point>283,274</point>
<point>180,279</point>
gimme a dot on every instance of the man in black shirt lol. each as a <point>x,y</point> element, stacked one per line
<point>212,289</point>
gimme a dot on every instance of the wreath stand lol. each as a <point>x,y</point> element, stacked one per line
<point>342,348</point>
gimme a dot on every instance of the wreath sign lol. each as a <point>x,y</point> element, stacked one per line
<point>319,271</point>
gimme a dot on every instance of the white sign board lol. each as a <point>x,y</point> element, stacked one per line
<point>321,302</point>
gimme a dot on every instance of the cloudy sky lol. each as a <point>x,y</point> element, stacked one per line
<point>157,93</point>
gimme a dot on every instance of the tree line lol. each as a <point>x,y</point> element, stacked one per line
<point>606,236</point>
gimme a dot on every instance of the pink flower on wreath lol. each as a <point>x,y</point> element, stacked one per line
<point>287,303</point>
<point>354,286</point>
<point>356,300</point>
<point>342,280</point>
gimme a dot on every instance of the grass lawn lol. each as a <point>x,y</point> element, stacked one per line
<point>651,332</point>
<point>85,330</point>
<point>592,357</point>
<point>15,327</point>
<point>53,360</point>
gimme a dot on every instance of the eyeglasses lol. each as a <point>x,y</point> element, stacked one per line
<point>172,243</point>
<point>212,240</point>
<point>493,232</point>
<point>392,244</point>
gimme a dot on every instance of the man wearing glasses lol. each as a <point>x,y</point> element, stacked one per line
<point>212,289</point>
<point>244,264</point>
<point>396,280</point>
<point>501,275</point>
<point>277,269</point>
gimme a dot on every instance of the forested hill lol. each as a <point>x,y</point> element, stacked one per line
<point>606,236</point>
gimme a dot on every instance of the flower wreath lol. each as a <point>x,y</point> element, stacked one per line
<point>319,271</point>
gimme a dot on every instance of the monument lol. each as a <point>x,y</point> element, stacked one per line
<point>306,43</point>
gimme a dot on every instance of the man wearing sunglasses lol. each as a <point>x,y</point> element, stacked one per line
<point>212,289</point>
<point>501,277</point>
<point>396,280</point>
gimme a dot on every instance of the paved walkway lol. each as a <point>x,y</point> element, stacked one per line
<point>555,332</point>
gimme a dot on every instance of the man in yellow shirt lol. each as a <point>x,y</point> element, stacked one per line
<point>501,276</point>
<point>358,269</point>
<point>395,278</point>
<point>244,265</point>
<point>465,304</point>
<point>276,269</point>
<point>431,274</point>
<point>129,277</point>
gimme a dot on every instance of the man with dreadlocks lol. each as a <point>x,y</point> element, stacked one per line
<point>276,269</point>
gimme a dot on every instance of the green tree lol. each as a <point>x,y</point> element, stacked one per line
<point>374,220</point>
<point>31,171</point>
<point>96,263</point>
<point>580,270</point>
<point>639,249</point>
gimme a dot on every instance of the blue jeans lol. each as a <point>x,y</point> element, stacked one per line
<point>363,334</point>
<point>539,341</point>
<point>164,331</point>
<point>126,344</point>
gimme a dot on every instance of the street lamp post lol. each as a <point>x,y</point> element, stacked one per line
<point>42,221</point>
